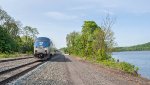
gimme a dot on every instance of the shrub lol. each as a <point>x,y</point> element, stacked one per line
<point>127,67</point>
<point>124,66</point>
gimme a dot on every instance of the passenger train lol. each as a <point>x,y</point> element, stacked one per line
<point>43,48</point>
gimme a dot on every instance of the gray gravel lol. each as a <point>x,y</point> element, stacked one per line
<point>12,73</point>
<point>11,64</point>
<point>53,72</point>
<point>61,70</point>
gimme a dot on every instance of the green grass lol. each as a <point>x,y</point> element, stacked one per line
<point>4,55</point>
<point>124,66</point>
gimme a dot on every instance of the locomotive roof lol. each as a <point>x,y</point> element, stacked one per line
<point>43,38</point>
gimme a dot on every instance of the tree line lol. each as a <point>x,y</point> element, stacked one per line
<point>95,42</point>
<point>13,36</point>
<point>141,47</point>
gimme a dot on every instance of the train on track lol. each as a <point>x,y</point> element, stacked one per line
<point>44,48</point>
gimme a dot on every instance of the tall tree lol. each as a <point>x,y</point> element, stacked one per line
<point>71,41</point>
<point>93,42</point>
<point>7,44</point>
<point>106,26</point>
<point>87,36</point>
<point>29,34</point>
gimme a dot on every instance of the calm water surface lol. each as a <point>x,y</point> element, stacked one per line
<point>138,58</point>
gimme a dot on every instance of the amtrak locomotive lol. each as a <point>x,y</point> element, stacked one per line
<point>43,48</point>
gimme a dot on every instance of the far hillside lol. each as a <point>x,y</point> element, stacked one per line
<point>140,47</point>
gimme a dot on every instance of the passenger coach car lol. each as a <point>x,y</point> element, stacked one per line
<point>43,48</point>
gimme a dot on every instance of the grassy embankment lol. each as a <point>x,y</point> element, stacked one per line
<point>123,66</point>
<point>12,55</point>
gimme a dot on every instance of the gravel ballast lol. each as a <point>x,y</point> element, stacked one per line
<point>53,72</point>
<point>65,70</point>
<point>12,64</point>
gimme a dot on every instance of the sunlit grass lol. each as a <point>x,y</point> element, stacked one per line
<point>7,55</point>
<point>124,66</point>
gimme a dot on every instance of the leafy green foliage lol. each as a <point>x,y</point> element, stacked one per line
<point>91,42</point>
<point>29,34</point>
<point>7,44</point>
<point>14,37</point>
<point>124,66</point>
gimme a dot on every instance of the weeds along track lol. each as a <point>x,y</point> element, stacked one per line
<point>14,59</point>
<point>15,72</point>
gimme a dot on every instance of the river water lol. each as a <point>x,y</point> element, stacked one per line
<point>140,59</point>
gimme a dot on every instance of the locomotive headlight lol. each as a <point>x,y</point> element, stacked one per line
<point>45,51</point>
<point>45,48</point>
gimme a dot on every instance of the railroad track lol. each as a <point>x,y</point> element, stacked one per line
<point>13,73</point>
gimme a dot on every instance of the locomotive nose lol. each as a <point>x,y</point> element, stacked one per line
<point>41,55</point>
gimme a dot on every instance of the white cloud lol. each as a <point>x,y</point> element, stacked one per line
<point>60,16</point>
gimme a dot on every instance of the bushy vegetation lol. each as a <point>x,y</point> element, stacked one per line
<point>14,37</point>
<point>124,66</point>
<point>95,43</point>
<point>141,47</point>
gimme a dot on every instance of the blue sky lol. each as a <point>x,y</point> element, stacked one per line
<point>57,18</point>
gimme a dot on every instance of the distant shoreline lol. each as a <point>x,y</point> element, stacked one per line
<point>140,47</point>
<point>132,51</point>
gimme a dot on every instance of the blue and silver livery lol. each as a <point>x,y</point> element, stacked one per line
<point>43,48</point>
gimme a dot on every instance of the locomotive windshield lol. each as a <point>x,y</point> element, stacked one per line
<point>42,41</point>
